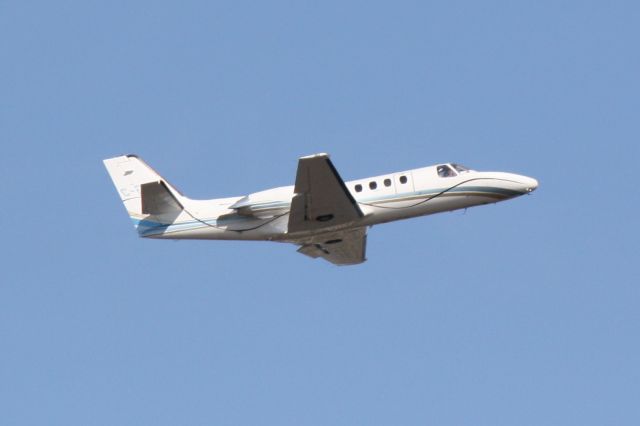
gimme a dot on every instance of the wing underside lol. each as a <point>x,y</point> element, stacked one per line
<point>339,248</point>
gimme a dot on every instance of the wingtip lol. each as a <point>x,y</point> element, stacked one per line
<point>318,155</point>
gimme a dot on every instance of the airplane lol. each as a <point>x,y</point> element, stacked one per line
<point>325,216</point>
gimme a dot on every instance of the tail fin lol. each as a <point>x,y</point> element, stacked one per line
<point>149,199</point>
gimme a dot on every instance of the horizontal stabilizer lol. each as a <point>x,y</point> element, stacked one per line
<point>157,199</point>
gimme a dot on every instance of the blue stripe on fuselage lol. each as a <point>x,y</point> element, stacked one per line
<point>147,227</point>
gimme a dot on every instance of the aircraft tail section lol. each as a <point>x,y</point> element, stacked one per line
<point>149,199</point>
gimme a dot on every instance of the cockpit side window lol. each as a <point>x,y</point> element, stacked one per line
<point>445,171</point>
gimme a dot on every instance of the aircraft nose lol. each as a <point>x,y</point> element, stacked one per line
<point>530,184</point>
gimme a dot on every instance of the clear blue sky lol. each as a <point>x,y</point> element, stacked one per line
<point>520,313</point>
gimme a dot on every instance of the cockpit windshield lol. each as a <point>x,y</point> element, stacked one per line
<point>445,171</point>
<point>451,170</point>
<point>459,167</point>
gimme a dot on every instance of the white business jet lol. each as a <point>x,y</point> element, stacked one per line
<point>322,214</point>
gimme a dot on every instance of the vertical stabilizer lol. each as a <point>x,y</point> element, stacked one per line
<point>149,199</point>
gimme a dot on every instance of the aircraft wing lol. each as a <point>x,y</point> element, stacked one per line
<point>321,198</point>
<point>340,248</point>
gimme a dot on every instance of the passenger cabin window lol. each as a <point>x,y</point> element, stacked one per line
<point>358,188</point>
<point>373,185</point>
<point>387,182</point>
<point>445,171</point>
<point>403,179</point>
